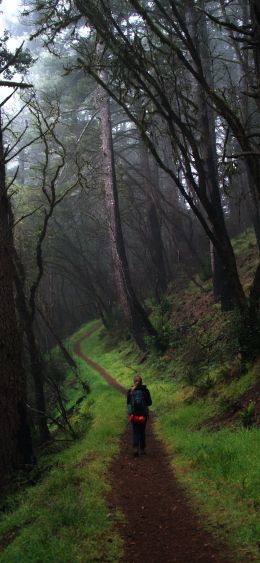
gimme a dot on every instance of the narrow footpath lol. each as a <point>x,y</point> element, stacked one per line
<point>160,525</point>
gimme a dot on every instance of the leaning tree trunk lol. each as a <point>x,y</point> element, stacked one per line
<point>247,105</point>
<point>15,439</point>
<point>136,317</point>
<point>207,146</point>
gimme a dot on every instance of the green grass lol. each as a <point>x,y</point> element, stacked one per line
<point>221,469</point>
<point>64,517</point>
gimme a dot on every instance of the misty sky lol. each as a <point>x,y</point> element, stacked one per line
<point>9,16</point>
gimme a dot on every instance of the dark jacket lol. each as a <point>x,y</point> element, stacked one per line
<point>146,395</point>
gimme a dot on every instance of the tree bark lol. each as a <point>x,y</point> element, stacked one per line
<point>136,317</point>
<point>15,438</point>
<point>255,19</point>
<point>156,242</point>
<point>27,319</point>
<point>247,104</point>
<point>38,378</point>
<point>207,146</point>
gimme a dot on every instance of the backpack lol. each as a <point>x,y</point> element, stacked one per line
<point>138,405</point>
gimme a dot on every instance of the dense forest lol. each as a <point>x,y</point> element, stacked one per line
<point>129,165</point>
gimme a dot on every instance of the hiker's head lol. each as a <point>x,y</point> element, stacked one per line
<point>137,379</point>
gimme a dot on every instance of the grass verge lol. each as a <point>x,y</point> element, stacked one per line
<point>64,517</point>
<point>219,468</point>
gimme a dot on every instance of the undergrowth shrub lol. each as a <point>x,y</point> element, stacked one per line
<point>247,335</point>
<point>63,399</point>
<point>55,368</point>
<point>193,359</point>
<point>82,419</point>
<point>166,330</point>
<point>206,270</point>
<point>228,405</point>
<point>206,346</point>
<point>205,385</point>
<point>116,325</point>
<point>247,415</point>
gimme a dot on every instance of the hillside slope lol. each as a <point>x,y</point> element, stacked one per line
<point>206,410</point>
<point>206,401</point>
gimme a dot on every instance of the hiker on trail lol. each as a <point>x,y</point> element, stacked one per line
<point>138,401</point>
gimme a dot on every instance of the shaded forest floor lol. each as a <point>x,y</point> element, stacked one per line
<point>206,402</point>
<point>159,523</point>
<point>205,470</point>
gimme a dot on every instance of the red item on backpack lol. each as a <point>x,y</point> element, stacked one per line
<point>135,418</point>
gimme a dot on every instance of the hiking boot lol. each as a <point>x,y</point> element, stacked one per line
<point>142,452</point>
<point>136,453</point>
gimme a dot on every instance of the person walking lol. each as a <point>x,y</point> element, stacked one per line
<point>138,401</point>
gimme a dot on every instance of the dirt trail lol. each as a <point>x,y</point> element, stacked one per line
<point>160,525</point>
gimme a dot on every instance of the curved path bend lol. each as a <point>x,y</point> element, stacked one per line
<point>160,525</point>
